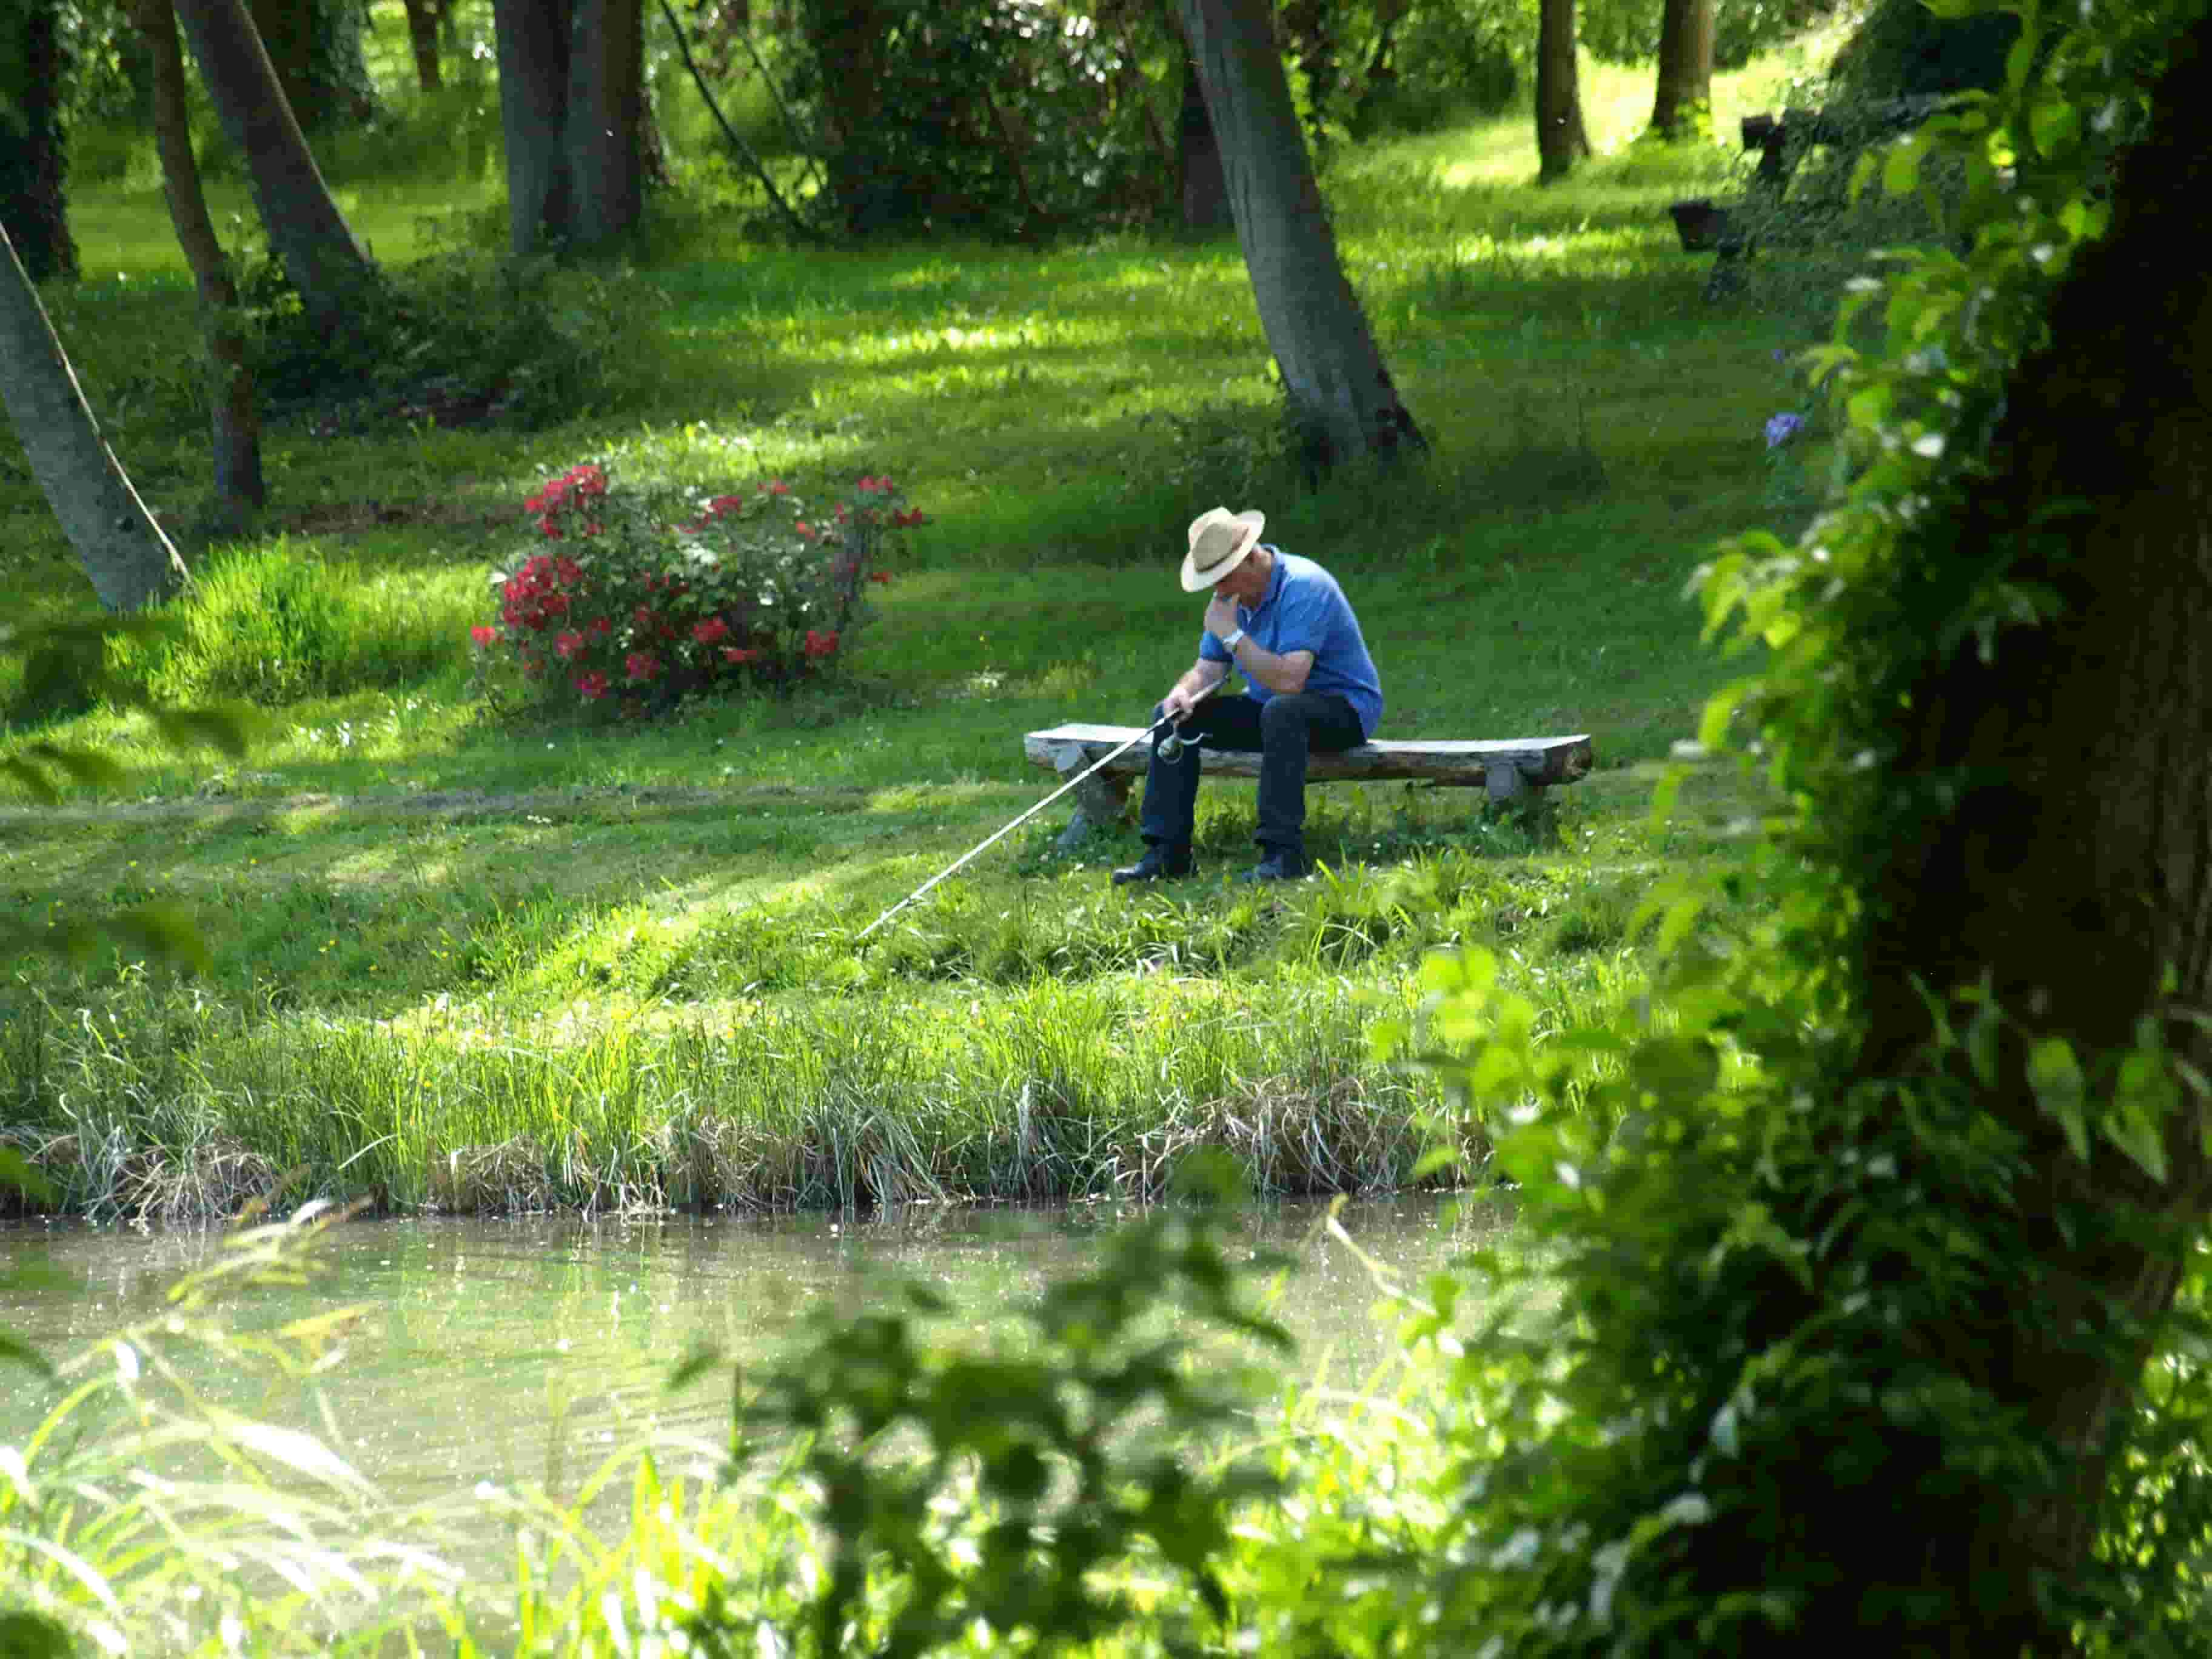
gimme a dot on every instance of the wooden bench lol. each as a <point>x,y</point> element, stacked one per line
<point>1706,226</point>
<point>1510,770</point>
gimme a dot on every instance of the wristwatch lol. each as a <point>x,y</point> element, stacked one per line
<point>1229,644</point>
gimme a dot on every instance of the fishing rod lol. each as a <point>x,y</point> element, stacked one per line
<point>1170,746</point>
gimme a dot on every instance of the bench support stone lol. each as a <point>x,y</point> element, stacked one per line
<point>1101,799</point>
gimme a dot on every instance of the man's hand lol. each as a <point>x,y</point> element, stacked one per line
<point>1221,617</point>
<point>1178,703</point>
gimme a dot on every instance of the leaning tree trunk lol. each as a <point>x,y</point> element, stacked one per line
<point>1561,138</point>
<point>1681,108</point>
<point>332,273</point>
<point>1340,390</point>
<point>235,418</point>
<point>2073,875</point>
<point>606,119</point>
<point>131,561</point>
<point>34,85</point>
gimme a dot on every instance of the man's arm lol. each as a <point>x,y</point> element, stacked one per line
<point>1200,679</point>
<point>1282,672</point>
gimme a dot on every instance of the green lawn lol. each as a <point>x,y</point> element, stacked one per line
<point>441,915</point>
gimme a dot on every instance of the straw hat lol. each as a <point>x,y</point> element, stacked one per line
<point>1219,539</point>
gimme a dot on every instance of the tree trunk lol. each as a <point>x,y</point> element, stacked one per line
<point>1682,106</point>
<point>33,144</point>
<point>1340,392</point>
<point>533,115</point>
<point>305,227</point>
<point>571,109</point>
<point>2074,871</point>
<point>606,119</point>
<point>1199,186</point>
<point>846,37</point>
<point>235,419</point>
<point>424,17</point>
<point>131,561</point>
<point>1561,139</point>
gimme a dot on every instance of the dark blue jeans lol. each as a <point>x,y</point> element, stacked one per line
<point>1284,729</point>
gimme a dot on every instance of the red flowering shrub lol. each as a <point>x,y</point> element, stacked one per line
<point>649,594</point>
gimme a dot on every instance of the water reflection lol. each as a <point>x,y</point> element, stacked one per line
<point>522,1352</point>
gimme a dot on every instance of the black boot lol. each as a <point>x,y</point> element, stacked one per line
<point>1160,863</point>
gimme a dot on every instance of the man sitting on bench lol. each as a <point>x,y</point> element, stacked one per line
<point>1285,623</point>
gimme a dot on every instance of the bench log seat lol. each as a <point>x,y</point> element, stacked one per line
<point>1506,769</point>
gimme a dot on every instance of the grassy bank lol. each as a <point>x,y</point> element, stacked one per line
<point>468,956</point>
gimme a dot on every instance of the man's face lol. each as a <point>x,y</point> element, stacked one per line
<point>1246,583</point>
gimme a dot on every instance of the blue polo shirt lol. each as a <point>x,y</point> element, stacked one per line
<point>1305,610</point>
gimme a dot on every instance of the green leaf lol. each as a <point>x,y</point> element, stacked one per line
<point>2060,1090</point>
<point>25,1177</point>
<point>14,1351</point>
<point>83,765</point>
<point>1901,172</point>
<point>228,727</point>
<point>32,1636</point>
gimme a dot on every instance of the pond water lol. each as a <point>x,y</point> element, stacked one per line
<point>522,1352</point>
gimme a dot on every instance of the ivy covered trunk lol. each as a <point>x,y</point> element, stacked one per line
<point>1340,392</point>
<point>131,561</point>
<point>34,84</point>
<point>326,265</point>
<point>2068,868</point>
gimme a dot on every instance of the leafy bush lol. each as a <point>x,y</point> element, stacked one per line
<point>995,117</point>
<point>649,594</point>
<point>460,336</point>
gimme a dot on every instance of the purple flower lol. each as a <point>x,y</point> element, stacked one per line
<point>1780,429</point>
<point>1781,354</point>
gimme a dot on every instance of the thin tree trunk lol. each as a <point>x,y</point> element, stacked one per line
<point>606,118</point>
<point>533,38</point>
<point>423,18</point>
<point>131,563</point>
<point>1339,390</point>
<point>330,269</point>
<point>33,144</point>
<point>235,418</point>
<point>1561,139</point>
<point>1682,106</point>
<point>2075,871</point>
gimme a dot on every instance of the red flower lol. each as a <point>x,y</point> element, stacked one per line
<point>722,504</point>
<point>880,575</point>
<point>710,630</point>
<point>591,686</point>
<point>483,634</point>
<point>641,665</point>
<point>738,653</point>
<point>906,516</point>
<point>801,527</point>
<point>569,572</point>
<point>820,645</point>
<point>567,644</point>
<point>776,487</point>
<point>598,627</point>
